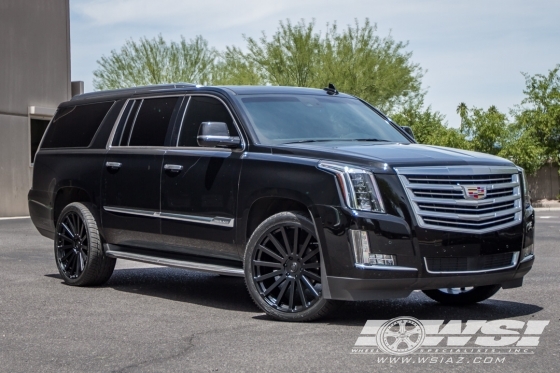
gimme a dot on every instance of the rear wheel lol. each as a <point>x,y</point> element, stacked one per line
<point>283,268</point>
<point>78,249</point>
<point>462,296</point>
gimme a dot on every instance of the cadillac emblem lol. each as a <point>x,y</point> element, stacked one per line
<point>474,192</point>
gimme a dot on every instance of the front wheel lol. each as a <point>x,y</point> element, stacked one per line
<point>462,296</point>
<point>283,268</point>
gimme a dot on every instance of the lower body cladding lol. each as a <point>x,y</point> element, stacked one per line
<point>378,256</point>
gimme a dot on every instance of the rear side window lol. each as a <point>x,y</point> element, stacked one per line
<point>75,126</point>
<point>152,122</point>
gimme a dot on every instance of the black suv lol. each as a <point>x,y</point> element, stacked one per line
<point>311,195</point>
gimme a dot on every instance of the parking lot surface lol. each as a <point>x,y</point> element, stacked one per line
<point>156,319</point>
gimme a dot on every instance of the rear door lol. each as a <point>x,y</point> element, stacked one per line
<point>132,173</point>
<point>199,185</point>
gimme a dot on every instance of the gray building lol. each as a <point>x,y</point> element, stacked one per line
<point>34,79</point>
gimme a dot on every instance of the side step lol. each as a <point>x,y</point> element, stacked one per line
<point>195,266</point>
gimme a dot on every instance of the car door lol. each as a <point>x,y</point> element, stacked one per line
<point>199,186</point>
<point>132,173</point>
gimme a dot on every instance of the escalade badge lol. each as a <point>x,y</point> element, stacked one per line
<point>474,192</point>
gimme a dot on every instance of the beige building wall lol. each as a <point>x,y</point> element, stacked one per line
<point>34,72</point>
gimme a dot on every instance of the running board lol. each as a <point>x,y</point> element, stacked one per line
<point>203,267</point>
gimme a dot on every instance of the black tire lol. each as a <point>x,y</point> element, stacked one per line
<point>462,296</point>
<point>286,283</point>
<point>78,248</point>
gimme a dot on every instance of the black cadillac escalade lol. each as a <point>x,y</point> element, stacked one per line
<point>311,195</point>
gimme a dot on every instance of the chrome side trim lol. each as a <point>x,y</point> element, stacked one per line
<point>514,259</point>
<point>122,210</point>
<point>385,268</point>
<point>215,220</point>
<point>213,268</point>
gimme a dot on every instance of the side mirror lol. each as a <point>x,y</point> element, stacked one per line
<point>409,132</point>
<point>216,134</point>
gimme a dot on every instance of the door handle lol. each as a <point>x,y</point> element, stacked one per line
<point>173,167</point>
<point>114,165</point>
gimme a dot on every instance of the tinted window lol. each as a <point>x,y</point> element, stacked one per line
<point>152,121</point>
<point>203,109</point>
<point>122,135</point>
<point>281,119</point>
<point>75,126</point>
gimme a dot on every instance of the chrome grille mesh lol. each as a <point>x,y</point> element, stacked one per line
<point>473,199</point>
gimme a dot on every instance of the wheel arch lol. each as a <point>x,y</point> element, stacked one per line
<point>69,194</point>
<point>264,207</point>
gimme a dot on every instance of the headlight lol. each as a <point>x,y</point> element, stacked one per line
<point>526,196</point>
<point>358,186</point>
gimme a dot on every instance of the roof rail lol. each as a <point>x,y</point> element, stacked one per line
<point>131,91</point>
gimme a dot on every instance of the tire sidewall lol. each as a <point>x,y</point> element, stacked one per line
<point>267,226</point>
<point>80,209</point>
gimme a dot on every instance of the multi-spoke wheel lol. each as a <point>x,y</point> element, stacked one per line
<point>78,250</point>
<point>283,268</point>
<point>462,296</point>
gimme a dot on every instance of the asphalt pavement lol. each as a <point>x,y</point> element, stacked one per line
<point>156,319</point>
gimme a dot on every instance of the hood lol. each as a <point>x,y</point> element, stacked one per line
<point>394,154</point>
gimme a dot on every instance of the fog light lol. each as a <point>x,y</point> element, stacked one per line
<point>360,243</point>
<point>527,253</point>
<point>362,254</point>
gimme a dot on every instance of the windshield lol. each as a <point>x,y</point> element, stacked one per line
<point>303,118</point>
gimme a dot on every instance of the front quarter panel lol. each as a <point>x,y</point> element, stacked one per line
<point>267,175</point>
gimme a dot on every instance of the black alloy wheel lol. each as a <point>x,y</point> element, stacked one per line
<point>462,296</point>
<point>72,245</point>
<point>283,268</point>
<point>78,249</point>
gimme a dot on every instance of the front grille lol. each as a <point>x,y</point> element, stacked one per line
<point>475,199</point>
<point>472,264</point>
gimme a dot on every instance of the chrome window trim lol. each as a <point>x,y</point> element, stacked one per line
<point>211,220</point>
<point>182,121</point>
<point>189,95</point>
<point>420,214</point>
<point>116,124</point>
<point>514,259</point>
<point>133,122</point>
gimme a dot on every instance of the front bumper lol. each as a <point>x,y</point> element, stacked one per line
<point>398,236</point>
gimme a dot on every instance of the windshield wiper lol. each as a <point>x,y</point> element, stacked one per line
<point>381,140</point>
<point>323,140</point>
<point>309,140</point>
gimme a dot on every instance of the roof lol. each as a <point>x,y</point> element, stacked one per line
<point>187,87</point>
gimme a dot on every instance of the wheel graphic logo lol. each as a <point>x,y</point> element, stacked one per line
<point>401,336</point>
